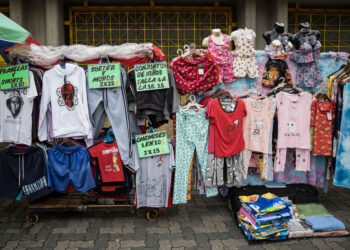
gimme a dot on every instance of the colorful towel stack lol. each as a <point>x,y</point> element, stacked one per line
<point>264,217</point>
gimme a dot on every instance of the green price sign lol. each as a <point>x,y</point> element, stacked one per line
<point>14,77</point>
<point>152,144</point>
<point>106,75</point>
<point>151,76</point>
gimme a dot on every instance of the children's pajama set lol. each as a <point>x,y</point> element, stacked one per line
<point>257,131</point>
<point>294,113</point>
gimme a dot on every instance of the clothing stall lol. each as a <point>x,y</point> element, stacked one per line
<point>266,129</point>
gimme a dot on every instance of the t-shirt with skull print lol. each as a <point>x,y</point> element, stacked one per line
<point>258,123</point>
<point>16,107</point>
<point>294,112</point>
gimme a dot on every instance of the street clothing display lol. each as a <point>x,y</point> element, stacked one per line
<point>16,108</point>
<point>65,90</point>
<point>195,74</point>
<point>23,169</point>
<point>112,103</point>
<point>229,143</point>
<point>69,164</point>
<point>223,58</point>
<point>244,62</point>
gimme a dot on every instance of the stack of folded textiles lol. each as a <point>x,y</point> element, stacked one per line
<point>264,217</point>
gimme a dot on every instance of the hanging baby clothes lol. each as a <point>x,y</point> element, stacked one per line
<point>195,74</point>
<point>322,116</point>
<point>294,113</point>
<point>223,57</point>
<point>342,168</point>
<point>276,69</point>
<point>257,130</point>
<point>308,69</point>
<point>244,61</point>
<point>191,134</point>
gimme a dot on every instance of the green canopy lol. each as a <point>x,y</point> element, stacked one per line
<point>11,31</point>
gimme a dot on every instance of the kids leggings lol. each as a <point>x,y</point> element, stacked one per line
<point>191,134</point>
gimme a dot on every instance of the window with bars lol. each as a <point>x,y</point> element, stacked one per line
<point>334,28</point>
<point>168,28</point>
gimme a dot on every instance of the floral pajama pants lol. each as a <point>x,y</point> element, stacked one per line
<point>191,134</point>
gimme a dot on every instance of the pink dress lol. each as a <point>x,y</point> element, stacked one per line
<point>223,57</point>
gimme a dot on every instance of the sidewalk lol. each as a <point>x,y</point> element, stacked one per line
<point>201,224</point>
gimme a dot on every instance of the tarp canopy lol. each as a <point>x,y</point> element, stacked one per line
<point>11,34</point>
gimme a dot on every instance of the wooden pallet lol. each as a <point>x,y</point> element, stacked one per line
<point>75,201</point>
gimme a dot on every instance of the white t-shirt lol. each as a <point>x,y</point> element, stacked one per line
<point>16,107</point>
<point>153,179</point>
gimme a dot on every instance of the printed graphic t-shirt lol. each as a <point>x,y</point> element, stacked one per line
<point>294,112</point>
<point>258,123</point>
<point>109,161</point>
<point>153,179</point>
<point>228,128</point>
<point>16,107</point>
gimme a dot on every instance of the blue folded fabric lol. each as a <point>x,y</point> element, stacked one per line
<point>324,223</point>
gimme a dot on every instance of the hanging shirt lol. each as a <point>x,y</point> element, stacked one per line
<point>258,123</point>
<point>322,116</point>
<point>153,179</point>
<point>108,160</point>
<point>294,112</point>
<point>70,114</point>
<point>228,127</point>
<point>16,107</point>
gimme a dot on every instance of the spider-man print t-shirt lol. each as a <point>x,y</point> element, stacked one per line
<point>228,126</point>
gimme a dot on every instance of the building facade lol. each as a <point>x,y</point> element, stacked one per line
<point>171,24</point>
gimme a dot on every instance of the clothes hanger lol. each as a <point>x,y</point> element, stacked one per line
<point>68,141</point>
<point>192,51</point>
<point>192,103</point>
<point>62,61</point>
<point>104,58</point>
<point>109,138</point>
<point>219,92</point>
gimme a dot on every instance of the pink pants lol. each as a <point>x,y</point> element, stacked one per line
<point>302,162</point>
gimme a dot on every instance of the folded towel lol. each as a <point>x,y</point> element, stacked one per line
<point>324,223</point>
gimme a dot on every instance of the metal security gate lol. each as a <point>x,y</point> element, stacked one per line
<point>334,25</point>
<point>167,27</point>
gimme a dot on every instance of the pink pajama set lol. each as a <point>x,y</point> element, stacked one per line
<point>223,58</point>
<point>257,130</point>
<point>294,112</point>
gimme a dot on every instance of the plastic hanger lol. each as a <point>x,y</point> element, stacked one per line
<point>62,61</point>
<point>191,50</point>
<point>104,58</point>
<point>192,103</point>
<point>109,138</point>
<point>68,141</point>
